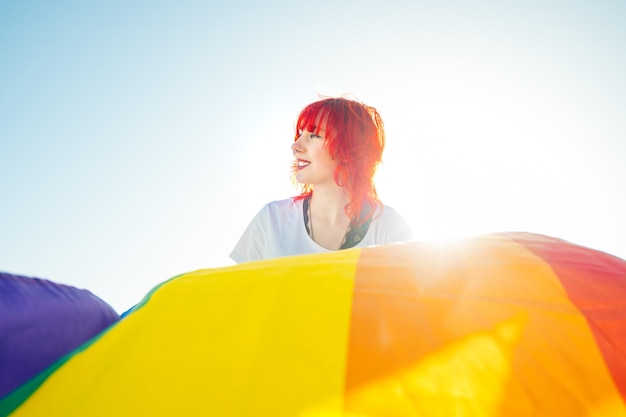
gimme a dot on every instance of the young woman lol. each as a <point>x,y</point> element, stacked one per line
<point>338,146</point>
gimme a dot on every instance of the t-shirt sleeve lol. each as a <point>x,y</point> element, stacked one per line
<point>251,245</point>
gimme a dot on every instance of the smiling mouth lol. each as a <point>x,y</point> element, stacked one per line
<point>302,164</point>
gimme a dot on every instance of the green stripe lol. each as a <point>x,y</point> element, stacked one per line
<point>12,401</point>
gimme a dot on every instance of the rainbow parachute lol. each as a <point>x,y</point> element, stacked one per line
<point>498,325</point>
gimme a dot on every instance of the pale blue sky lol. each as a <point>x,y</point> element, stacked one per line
<point>137,139</point>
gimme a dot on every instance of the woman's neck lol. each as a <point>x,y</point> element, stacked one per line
<point>328,205</point>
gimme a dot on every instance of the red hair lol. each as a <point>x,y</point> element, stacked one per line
<point>355,135</point>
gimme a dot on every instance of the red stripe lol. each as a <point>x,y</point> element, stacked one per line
<point>596,284</point>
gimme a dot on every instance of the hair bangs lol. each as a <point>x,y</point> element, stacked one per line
<point>315,118</point>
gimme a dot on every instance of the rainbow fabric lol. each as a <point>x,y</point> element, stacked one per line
<point>498,325</point>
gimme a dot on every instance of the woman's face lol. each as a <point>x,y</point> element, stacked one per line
<point>314,164</point>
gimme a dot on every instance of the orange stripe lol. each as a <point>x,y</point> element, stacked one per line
<point>431,326</point>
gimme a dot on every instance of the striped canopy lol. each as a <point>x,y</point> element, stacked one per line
<point>498,325</point>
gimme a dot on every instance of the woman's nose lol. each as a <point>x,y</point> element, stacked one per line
<point>295,147</point>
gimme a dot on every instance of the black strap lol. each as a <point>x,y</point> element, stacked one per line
<point>356,233</point>
<point>305,213</point>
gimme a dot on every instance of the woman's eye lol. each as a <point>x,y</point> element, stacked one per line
<point>314,136</point>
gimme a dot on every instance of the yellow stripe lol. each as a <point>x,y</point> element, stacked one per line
<point>256,339</point>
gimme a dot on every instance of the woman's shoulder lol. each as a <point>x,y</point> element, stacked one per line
<point>392,222</point>
<point>281,210</point>
<point>387,212</point>
<point>283,205</point>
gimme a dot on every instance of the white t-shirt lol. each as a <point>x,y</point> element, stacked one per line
<point>278,230</point>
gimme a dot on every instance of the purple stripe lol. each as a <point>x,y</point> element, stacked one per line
<point>41,321</point>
